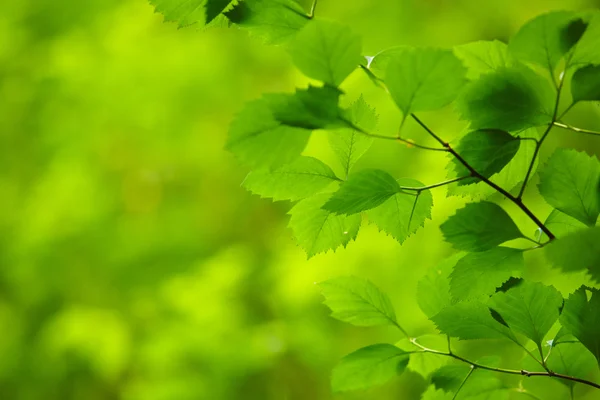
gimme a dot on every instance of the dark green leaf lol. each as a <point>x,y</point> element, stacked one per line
<point>484,57</point>
<point>547,38</point>
<point>529,308</point>
<point>577,251</point>
<point>479,274</point>
<point>570,182</point>
<point>571,359</point>
<point>214,8</point>
<point>479,227</point>
<point>510,99</point>
<point>433,290</point>
<point>561,224</point>
<point>582,318</point>
<point>585,84</point>
<point>423,79</point>
<point>403,213</point>
<point>275,21</point>
<point>302,178</point>
<point>358,302</point>
<point>312,108</point>
<point>367,367</point>
<point>317,230</point>
<point>327,51</point>
<point>587,50</point>
<point>488,151</point>
<point>481,385</point>
<point>362,191</point>
<point>257,139</point>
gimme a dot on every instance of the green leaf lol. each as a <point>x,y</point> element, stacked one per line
<point>529,308</point>
<point>362,191</point>
<point>318,230</point>
<point>587,50</point>
<point>571,359</point>
<point>258,140</point>
<point>509,177</point>
<point>367,367</point>
<point>183,12</point>
<point>276,21</point>
<point>561,224</point>
<point>433,290</point>
<point>423,79</point>
<point>348,144</point>
<point>214,8</point>
<point>570,182</point>
<point>470,320</point>
<point>435,394</point>
<point>449,377</point>
<point>425,363</point>
<point>510,99</point>
<point>484,57</point>
<point>577,251</point>
<point>479,227</point>
<point>488,151</point>
<point>481,385</point>
<point>358,302</point>
<point>312,108</point>
<point>547,38</point>
<point>479,274</point>
<point>327,51</point>
<point>302,178</point>
<point>582,318</point>
<point>585,84</point>
<point>404,213</point>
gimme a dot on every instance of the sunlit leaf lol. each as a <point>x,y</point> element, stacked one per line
<point>433,290</point>
<point>581,317</point>
<point>312,108</point>
<point>436,394</point>
<point>571,359</point>
<point>577,251</point>
<point>587,50</point>
<point>561,224</point>
<point>483,57</point>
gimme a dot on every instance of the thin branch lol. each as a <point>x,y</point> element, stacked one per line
<point>463,382</point>
<point>566,110</point>
<point>435,185</point>
<point>574,129</point>
<point>436,137</point>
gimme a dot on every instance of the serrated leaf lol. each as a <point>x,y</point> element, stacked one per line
<point>585,84</point>
<point>483,57</point>
<point>529,308</point>
<point>358,302</point>
<point>510,99</point>
<point>433,290</point>
<point>547,38</point>
<point>362,191</point>
<point>258,140</point>
<point>449,377</point>
<point>582,319</point>
<point>302,178</point>
<point>436,394</point>
<point>479,227</point>
<point>215,7</point>
<point>183,12</point>
<point>570,182</point>
<point>276,21</point>
<point>577,251</point>
<point>571,359</point>
<point>367,367</point>
<point>312,108</point>
<point>348,144</point>
<point>561,224</point>
<point>404,212</point>
<point>488,151</point>
<point>509,177</point>
<point>471,320</point>
<point>479,274</point>
<point>318,230</point>
<point>424,79</point>
<point>587,50</point>
<point>327,51</point>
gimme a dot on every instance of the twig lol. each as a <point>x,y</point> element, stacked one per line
<point>575,129</point>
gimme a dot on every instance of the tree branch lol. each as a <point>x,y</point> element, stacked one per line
<point>574,129</point>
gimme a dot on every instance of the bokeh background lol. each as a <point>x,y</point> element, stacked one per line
<point>132,263</point>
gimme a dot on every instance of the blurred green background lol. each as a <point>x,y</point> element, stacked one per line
<point>132,263</point>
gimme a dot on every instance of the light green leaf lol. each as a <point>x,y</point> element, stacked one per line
<point>577,251</point>
<point>509,177</point>
<point>481,384</point>
<point>529,308</point>
<point>312,108</point>
<point>403,213</point>
<point>582,318</point>
<point>561,224</point>
<point>258,140</point>
<point>425,363</point>
<point>276,21</point>
<point>570,182</point>
<point>479,227</point>
<point>488,151</point>
<point>587,50</point>
<point>348,144</point>
<point>215,7</point>
<point>547,38</point>
<point>571,359</point>
<point>362,191</point>
<point>484,57</point>
<point>183,12</point>
<point>585,84</point>
<point>433,290</point>
<point>367,367</point>
<point>318,230</point>
<point>470,320</point>
<point>479,274</point>
<point>423,79</point>
<point>510,99</point>
<point>327,51</point>
<point>358,302</point>
<point>436,394</point>
<point>302,178</point>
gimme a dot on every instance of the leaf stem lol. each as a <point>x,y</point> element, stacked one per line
<point>575,129</point>
<point>311,14</point>
<point>435,185</point>
<point>464,381</point>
